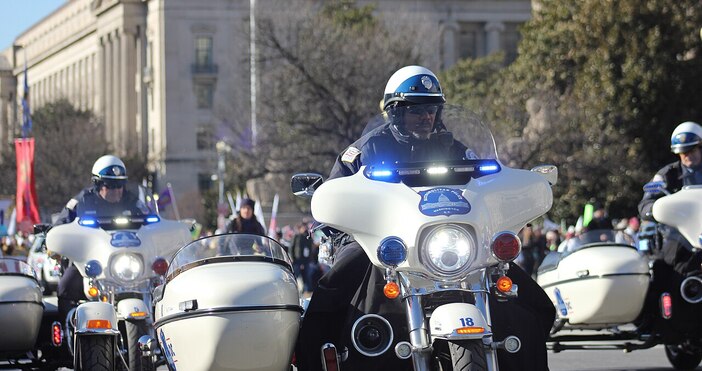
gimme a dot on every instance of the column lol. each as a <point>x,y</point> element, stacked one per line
<point>449,44</point>
<point>493,30</point>
<point>128,64</point>
<point>116,102</point>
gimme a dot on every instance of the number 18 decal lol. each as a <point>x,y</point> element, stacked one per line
<point>466,321</point>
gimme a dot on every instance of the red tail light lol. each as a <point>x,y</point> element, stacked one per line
<point>506,246</point>
<point>666,306</point>
<point>160,266</point>
<point>56,334</point>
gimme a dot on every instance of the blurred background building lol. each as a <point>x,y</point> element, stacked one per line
<point>154,71</point>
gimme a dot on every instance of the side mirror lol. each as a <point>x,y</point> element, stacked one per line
<point>550,172</point>
<point>41,228</point>
<point>303,185</point>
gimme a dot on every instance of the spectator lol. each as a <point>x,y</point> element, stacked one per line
<point>553,239</point>
<point>301,255</point>
<point>245,221</point>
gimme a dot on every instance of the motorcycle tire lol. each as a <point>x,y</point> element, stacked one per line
<point>682,358</point>
<point>95,353</point>
<point>134,330</point>
<point>466,355</point>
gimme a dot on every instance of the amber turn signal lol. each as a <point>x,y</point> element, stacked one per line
<point>470,330</point>
<point>93,292</point>
<point>504,284</point>
<point>391,290</point>
<point>99,323</point>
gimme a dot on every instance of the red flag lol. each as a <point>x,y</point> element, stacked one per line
<point>27,204</point>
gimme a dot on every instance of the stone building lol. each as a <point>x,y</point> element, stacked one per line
<point>152,70</point>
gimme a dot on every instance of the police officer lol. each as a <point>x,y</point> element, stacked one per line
<point>413,131</point>
<point>686,142</point>
<point>107,196</point>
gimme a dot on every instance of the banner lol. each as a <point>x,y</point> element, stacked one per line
<point>274,213</point>
<point>27,205</point>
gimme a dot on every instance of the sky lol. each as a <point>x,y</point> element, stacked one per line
<point>18,15</point>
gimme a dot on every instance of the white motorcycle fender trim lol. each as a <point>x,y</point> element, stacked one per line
<point>132,308</point>
<point>447,319</point>
<point>96,317</point>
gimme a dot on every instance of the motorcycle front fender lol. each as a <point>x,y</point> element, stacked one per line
<point>132,308</point>
<point>458,321</point>
<point>96,318</point>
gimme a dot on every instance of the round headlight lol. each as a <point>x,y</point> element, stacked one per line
<point>448,249</point>
<point>126,267</point>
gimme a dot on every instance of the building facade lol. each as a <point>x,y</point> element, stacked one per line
<point>154,71</point>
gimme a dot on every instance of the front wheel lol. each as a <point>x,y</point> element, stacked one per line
<point>683,357</point>
<point>135,330</point>
<point>464,355</point>
<point>95,353</point>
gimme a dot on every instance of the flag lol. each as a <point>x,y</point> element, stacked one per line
<point>238,202</point>
<point>26,116</point>
<point>26,199</point>
<point>274,212</point>
<point>164,198</point>
<point>587,214</point>
<point>258,211</point>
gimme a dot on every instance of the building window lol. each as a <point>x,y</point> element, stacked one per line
<point>204,93</point>
<point>510,41</point>
<point>471,42</point>
<point>203,51</point>
<point>205,138</point>
<point>204,182</point>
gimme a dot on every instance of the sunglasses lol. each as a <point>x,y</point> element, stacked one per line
<point>113,184</point>
<point>422,109</point>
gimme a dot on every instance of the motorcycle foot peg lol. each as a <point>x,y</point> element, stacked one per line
<point>511,344</point>
<point>330,357</point>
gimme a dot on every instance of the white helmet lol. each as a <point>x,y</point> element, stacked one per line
<point>110,170</point>
<point>413,84</point>
<point>685,137</point>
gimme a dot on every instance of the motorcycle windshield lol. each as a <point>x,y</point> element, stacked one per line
<point>597,237</point>
<point>432,132</point>
<point>135,201</point>
<point>235,246</point>
<point>14,267</point>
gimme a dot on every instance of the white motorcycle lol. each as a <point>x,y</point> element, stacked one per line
<point>122,259</point>
<point>611,295</point>
<point>444,233</point>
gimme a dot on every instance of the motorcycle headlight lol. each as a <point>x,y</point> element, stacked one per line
<point>448,250</point>
<point>126,267</point>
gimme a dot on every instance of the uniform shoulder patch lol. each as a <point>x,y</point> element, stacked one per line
<point>71,204</point>
<point>350,154</point>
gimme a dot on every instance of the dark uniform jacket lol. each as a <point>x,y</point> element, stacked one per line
<point>387,145</point>
<point>676,250</point>
<point>89,202</point>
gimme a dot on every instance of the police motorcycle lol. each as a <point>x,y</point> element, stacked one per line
<point>444,234</point>
<point>613,295</point>
<point>229,302</point>
<point>122,259</point>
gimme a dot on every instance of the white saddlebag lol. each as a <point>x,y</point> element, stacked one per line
<point>596,286</point>
<point>229,315</point>
<point>21,306</point>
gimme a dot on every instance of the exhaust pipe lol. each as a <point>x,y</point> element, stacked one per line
<point>371,335</point>
<point>691,289</point>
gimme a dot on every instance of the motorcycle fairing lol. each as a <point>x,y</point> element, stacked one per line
<point>373,210</point>
<point>683,210</point>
